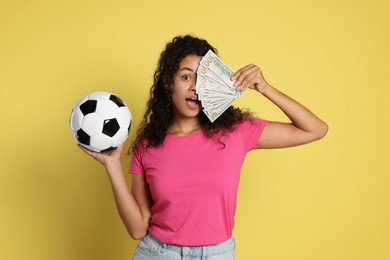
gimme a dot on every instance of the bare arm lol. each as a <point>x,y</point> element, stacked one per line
<point>305,126</point>
<point>133,206</point>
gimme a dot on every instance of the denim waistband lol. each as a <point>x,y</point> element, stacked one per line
<point>210,250</point>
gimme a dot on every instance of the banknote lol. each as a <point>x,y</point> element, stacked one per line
<point>214,88</point>
<point>218,68</point>
<point>206,84</point>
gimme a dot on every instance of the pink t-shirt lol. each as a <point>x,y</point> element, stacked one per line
<point>193,181</point>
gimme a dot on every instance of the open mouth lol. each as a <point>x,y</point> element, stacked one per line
<point>192,102</point>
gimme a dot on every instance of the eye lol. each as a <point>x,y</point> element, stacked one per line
<point>186,77</point>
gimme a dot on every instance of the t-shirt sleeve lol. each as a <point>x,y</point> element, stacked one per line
<point>250,131</point>
<point>136,166</point>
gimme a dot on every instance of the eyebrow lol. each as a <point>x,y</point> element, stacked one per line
<point>186,68</point>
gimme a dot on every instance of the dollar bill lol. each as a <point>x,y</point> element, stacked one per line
<point>214,113</point>
<point>206,84</point>
<point>218,68</point>
<point>203,71</point>
<point>214,88</point>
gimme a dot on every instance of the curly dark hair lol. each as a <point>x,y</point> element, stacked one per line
<point>158,115</point>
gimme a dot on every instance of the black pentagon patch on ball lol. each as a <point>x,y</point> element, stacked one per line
<point>117,101</point>
<point>88,107</point>
<point>110,127</point>
<point>83,137</point>
<point>108,150</point>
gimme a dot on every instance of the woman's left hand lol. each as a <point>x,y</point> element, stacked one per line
<point>251,77</point>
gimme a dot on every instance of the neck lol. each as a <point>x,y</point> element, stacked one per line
<point>184,127</point>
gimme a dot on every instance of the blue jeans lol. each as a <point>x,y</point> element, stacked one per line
<point>149,248</point>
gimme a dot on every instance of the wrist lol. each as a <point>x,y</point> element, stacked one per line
<point>263,88</point>
<point>113,166</point>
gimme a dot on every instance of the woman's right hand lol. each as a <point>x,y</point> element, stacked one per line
<point>105,158</point>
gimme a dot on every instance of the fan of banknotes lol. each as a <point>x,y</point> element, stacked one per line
<point>213,85</point>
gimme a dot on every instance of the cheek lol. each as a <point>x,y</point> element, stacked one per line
<point>178,90</point>
<point>175,97</point>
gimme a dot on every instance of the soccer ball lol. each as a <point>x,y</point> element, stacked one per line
<point>100,121</point>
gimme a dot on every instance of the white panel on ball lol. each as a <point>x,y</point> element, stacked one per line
<point>107,109</point>
<point>76,119</point>
<point>119,137</point>
<point>99,95</point>
<point>102,141</point>
<point>92,124</point>
<point>123,117</point>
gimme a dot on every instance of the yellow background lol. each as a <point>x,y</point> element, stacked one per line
<point>326,200</point>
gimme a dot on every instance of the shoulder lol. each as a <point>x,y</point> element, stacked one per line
<point>253,122</point>
<point>249,132</point>
<point>139,147</point>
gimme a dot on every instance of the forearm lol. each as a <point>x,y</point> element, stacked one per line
<point>305,126</point>
<point>135,222</point>
<point>300,116</point>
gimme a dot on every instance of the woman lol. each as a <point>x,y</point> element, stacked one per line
<point>185,169</point>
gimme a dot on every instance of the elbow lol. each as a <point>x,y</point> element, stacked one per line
<point>322,130</point>
<point>138,234</point>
